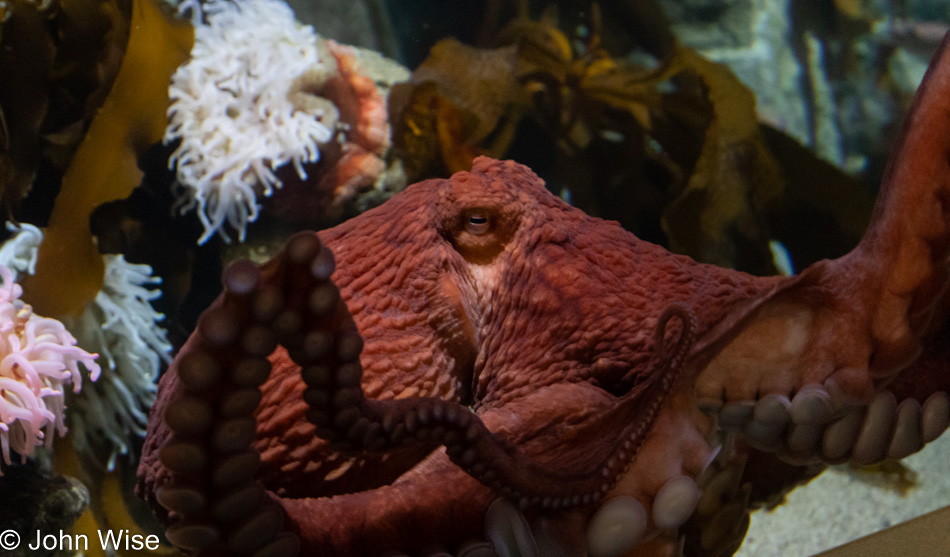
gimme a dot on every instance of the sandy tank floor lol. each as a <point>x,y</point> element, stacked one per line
<point>843,504</point>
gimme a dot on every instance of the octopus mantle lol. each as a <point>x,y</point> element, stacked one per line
<point>477,367</point>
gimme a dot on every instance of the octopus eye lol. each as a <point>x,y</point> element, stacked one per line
<point>479,233</point>
<point>478,222</point>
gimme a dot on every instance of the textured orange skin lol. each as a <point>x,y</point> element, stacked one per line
<point>542,322</point>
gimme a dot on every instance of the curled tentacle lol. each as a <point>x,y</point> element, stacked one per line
<point>214,503</point>
<point>212,492</point>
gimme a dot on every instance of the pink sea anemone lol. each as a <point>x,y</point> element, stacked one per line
<point>37,357</point>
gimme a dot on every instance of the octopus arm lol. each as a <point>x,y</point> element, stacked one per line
<point>406,516</point>
<point>850,341</point>
<point>418,508</point>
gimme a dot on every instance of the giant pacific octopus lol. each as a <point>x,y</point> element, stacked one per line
<point>476,367</point>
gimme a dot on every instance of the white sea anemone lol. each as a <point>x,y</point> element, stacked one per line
<point>231,112</point>
<point>38,357</point>
<point>122,326</point>
<point>20,250</point>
